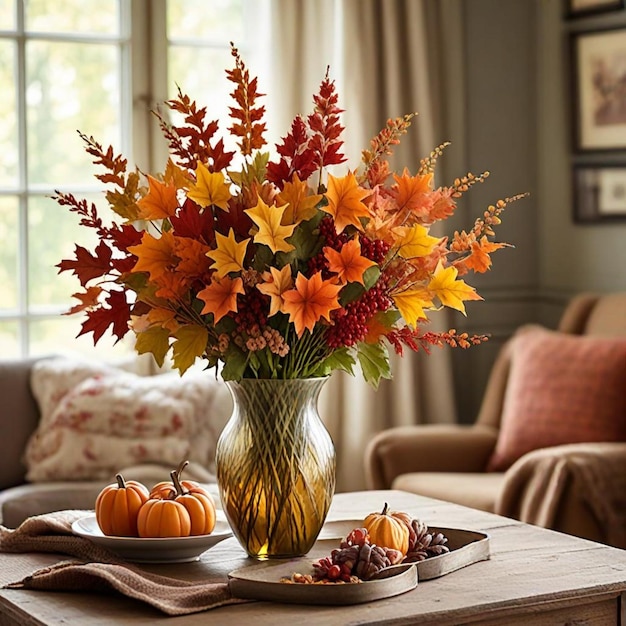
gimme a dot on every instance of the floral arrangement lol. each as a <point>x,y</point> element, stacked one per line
<point>277,268</point>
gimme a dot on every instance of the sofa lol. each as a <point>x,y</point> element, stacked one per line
<point>548,446</point>
<point>68,425</point>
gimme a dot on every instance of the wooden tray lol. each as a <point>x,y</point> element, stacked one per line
<point>261,581</point>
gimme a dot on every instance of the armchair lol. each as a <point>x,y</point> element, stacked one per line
<point>577,485</point>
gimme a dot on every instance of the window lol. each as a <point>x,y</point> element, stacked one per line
<point>98,66</point>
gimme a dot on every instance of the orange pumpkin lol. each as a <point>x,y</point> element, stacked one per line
<point>387,531</point>
<point>199,505</point>
<point>166,490</point>
<point>163,518</point>
<point>117,507</point>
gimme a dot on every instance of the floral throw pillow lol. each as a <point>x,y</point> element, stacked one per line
<point>562,389</point>
<point>96,419</point>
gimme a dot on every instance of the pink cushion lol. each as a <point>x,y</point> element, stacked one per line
<point>561,389</point>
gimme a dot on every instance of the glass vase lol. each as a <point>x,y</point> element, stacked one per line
<point>276,466</point>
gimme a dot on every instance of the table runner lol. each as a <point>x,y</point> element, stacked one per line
<point>97,568</point>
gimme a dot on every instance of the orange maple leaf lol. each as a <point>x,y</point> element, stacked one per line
<point>300,201</point>
<point>410,191</point>
<point>479,259</point>
<point>349,264</point>
<point>276,282</point>
<point>194,262</point>
<point>88,299</point>
<point>344,197</point>
<point>311,300</point>
<point>220,297</point>
<point>160,202</point>
<point>154,255</point>
<point>170,285</point>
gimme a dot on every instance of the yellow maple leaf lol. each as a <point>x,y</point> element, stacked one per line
<point>411,304</point>
<point>156,341</point>
<point>154,254</point>
<point>276,282</point>
<point>176,176</point>
<point>349,264</point>
<point>220,297</point>
<point>345,204</point>
<point>229,254</point>
<point>210,188</point>
<point>300,201</point>
<point>160,202</point>
<point>165,318</point>
<point>190,343</point>
<point>414,241</point>
<point>450,291</point>
<point>271,232</point>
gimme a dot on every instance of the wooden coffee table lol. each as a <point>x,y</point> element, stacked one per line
<point>534,576</point>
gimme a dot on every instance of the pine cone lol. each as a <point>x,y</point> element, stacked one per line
<point>437,545</point>
<point>426,544</point>
<point>371,560</point>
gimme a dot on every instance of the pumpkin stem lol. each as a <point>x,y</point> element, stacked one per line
<point>120,481</point>
<point>176,480</point>
<point>181,467</point>
<point>385,509</point>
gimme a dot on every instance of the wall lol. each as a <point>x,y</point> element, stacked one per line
<point>517,124</point>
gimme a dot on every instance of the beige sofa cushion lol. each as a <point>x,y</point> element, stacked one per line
<point>478,491</point>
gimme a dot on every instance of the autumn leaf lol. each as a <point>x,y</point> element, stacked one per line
<point>190,342</point>
<point>88,266</point>
<point>88,299</point>
<point>210,189</point>
<point>348,263</point>
<point>159,203</point>
<point>271,232</point>
<point>479,259</point>
<point>116,314</point>
<point>300,201</point>
<point>450,291</point>
<point>345,201</point>
<point>154,255</point>
<point>176,176</point>
<point>229,254</point>
<point>220,297</point>
<point>194,262</point>
<point>311,300</point>
<point>411,191</point>
<point>414,241</point>
<point>154,340</point>
<point>276,282</point>
<point>411,304</point>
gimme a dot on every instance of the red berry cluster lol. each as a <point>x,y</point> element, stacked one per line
<point>374,249</point>
<point>332,240</point>
<point>252,310</point>
<point>350,325</point>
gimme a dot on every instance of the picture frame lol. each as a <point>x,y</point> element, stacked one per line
<point>599,193</point>
<point>583,8</point>
<point>599,89</point>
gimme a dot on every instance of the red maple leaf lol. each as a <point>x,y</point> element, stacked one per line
<point>117,315</point>
<point>87,265</point>
<point>191,222</point>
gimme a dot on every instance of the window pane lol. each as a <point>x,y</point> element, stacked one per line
<point>59,336</point>
<point>8,253</point>
<point>7,14</point>
<point>72,16</point>
<point>8,116</point>
<point>9,341</point>
<point>70,87</point>
<point>217,20</point>
<point>53,232</point>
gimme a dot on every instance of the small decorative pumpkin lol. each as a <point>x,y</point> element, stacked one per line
<point>387,531</point>
<point>163,518</point>
<point>166,490</point>
<point>199,505</point>
<point>118,505</point>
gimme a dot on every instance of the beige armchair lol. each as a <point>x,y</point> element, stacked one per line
<point>578,488</point>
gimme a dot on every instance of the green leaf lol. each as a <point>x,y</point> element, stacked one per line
<point>190,343</point>
<point>371,275</point>
<point>341,359</point>
<point>235,363</point>
<point>374,361</point>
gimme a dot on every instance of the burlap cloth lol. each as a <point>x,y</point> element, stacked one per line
<point>98,569</point>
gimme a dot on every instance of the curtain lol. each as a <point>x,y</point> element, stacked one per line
<point>384,57</point>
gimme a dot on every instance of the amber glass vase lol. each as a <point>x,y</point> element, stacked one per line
<point>276,466</point>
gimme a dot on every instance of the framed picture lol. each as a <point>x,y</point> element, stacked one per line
<point>599,193</point>
<point>599,85</point>
<point>580,8</point>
